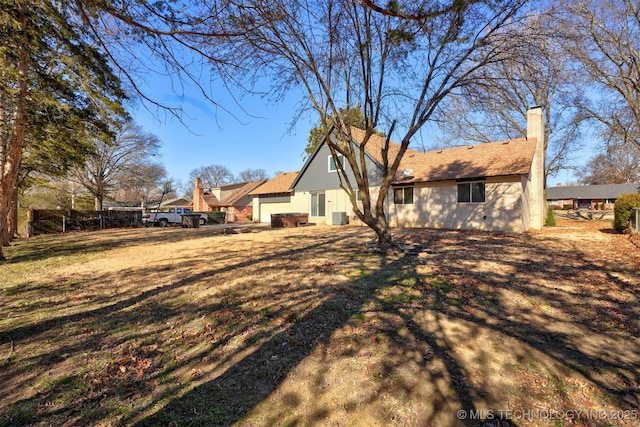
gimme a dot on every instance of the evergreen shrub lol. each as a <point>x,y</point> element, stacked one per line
<point>550,220</point>
<point>624,212</point>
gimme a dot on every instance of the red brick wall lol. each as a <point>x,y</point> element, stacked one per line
<point>239,213</point>
<point>199,204</point>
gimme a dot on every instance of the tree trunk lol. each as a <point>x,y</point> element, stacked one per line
<point>383,231</point>
<point>14,217</point>
<point>12,220</point>
<point>9,178</point>
<point>378,223</point>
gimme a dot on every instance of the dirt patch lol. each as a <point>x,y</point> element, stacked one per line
<point>309,327</point>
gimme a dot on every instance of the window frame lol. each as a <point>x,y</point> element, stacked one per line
<point>404,200</point>
<point>331,159</point>
<point>319,207</point>
<point>470,184</point>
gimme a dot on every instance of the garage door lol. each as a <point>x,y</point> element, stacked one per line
<point>266,209</point>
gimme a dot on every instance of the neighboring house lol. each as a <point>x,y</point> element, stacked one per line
<point>588,196</point>
<point>495,186</point>
<point>233,199</point>
<point>179,202</point>
<point>274,196</point>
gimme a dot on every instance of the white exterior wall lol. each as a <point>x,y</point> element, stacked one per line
<point>255,204</point>
<point>526,202</point>
<point>336,200</point>
<point>537,204</point>
<point>263,208</point>
<point>435,206</point>
<point>300,203</point>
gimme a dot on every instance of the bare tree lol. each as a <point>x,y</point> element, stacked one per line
<point>252,175</point>
<point>179,188</point>
<point>212,175</point>
<point>603,36</point>
<point>397,63</point>
<point>145,184</point>
<point>619,164</point>
<point>172,33</point>
<point>539,73</point>
<point>113,165</point>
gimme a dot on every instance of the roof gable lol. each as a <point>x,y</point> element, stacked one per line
<point>241,192</point>
<point>375,145</point>
<point>373,150</point>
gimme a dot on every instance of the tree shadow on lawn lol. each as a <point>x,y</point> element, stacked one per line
<point>411,316</point>
<point>86,242</point>
<point>233,394</point>
<point>238,391</point>
<point>107,326</point>
<point>160,278</point>
<point>577,310</point>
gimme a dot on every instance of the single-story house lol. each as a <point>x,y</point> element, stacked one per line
<point>588,196</point>
<point>233,199</point>
<point>495,186</point>
<point>179,202</point>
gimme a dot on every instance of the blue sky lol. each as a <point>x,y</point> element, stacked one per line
<point>257,138</point>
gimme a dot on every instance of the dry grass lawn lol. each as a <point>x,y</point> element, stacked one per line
<point>310,327</point>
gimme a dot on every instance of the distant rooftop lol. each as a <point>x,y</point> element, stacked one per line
<point>280,184</point>
<point>604,191</point>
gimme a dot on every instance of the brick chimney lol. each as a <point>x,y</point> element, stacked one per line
<point>535,183</point>
<point>198,196</point>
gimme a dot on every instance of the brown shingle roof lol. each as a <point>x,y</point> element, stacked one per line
<point>280,184</point>
<point>211,200</point>
<point>512,157</point>
<point>376,144</point>
<point>503,158</point>
<point>241,192</point>
<point>229,187</point>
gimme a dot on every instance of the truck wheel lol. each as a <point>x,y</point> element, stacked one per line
<point>202,221</point>
<point>163,222</point>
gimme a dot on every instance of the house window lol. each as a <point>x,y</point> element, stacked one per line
<point>471,192</point>
<point>403,195</point>
<point>317,204</point>
<point>358,197</point>
<point>332,162</point>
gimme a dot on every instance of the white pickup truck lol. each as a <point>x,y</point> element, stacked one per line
<point>171,216</point>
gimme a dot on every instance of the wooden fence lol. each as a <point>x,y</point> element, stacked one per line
<point>44,221</point>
